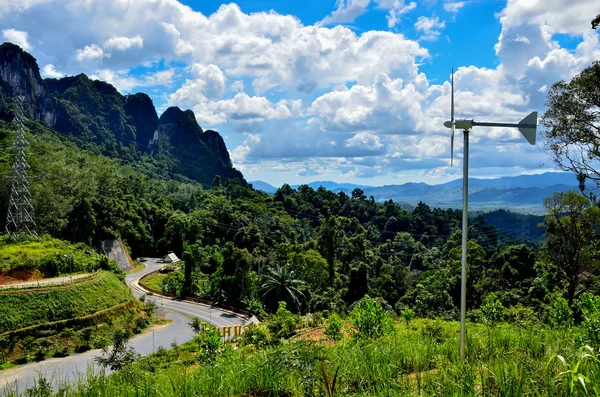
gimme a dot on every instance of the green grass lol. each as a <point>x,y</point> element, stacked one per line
<point>419,361</point>
<point>137,268</point>
<point>47,254</point>
<point>154,281</point>
<point>29,307</point>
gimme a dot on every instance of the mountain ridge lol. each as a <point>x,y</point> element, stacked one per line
<point>122,126</point>
<point>521,190</point>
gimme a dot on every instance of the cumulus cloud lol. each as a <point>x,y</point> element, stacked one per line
<point>49,71</point>
<point>90,53</point>
<point>430,27</point>
<point>123,43</point>
<point>367,110</point>
<point>207,82</point>
<point>17,37</point>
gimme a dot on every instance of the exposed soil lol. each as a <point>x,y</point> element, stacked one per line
<point>317,335</point>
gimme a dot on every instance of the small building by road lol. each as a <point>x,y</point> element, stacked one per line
<point>170,258</point>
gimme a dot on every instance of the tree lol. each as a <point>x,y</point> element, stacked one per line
<point>570,237</point>
<point>329,238</point>
<point>121,356</point>
<point>281,284</point>
<point>573,124</point>
<point>596,22</point>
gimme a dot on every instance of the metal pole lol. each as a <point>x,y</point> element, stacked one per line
<point>465,221</point>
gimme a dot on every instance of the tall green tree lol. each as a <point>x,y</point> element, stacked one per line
<point>571,239</point>
<point>281,284</point>
<point>329,239</point>
<point>572,124</point>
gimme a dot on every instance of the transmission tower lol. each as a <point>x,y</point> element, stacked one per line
<point>20,208</point>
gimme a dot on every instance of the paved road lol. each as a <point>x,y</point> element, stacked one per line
<point>68,369</point>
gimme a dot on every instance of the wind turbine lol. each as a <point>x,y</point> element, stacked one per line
<point>527,127</point>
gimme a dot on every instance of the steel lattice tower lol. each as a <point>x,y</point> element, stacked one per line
<point>20,208</point>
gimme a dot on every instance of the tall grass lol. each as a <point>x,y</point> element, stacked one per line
<point>419,361</point>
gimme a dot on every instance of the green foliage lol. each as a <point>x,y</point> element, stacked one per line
<point>43,305</point>
<point>209,345</point>
<point>50,255</point>
<point>334,327</point>
<point>589,306</point>
<point>173,283</point>
<point>560,314</point>
<point>283,323</point>
<point>492,312</point>
<point>121,355</point>
<point>407,314</point>
<point>369,319</point>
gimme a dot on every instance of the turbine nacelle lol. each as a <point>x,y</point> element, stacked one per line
<point>527,126</point>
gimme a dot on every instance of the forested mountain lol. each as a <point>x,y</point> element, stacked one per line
<point>95,115</point>
<point>525,192</point>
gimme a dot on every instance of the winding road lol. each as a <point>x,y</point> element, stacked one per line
<point>69,369</point>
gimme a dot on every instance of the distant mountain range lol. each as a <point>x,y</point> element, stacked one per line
<point>522,193</point>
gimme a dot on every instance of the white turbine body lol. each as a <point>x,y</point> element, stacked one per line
<point>528,127</point>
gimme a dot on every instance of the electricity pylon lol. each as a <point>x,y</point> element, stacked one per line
<point>20,208</point>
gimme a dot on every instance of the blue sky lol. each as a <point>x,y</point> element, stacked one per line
<point>349,90</point>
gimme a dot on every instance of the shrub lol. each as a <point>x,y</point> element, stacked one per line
<point>334,327</point>
<point>140,324</point>
<point>560,314</point>
<point>520,315</point>
<point>589,306</point>
<point>492,311</point>
<point>209,344</point>
<point>257,335</point>
<point>433,329</point>
<point>407,314</point>
<point>283,324</point>
<point>369,319</point>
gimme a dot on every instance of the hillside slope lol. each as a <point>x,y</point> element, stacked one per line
<point>24,308</point>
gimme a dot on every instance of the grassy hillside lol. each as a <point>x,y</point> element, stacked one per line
<point>49,255</point>
<point>25,308</point>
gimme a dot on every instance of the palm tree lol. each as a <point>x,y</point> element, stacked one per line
<point>281,284</point>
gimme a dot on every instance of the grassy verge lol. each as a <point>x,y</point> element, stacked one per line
<point>154,281</point>
<point>418,360</point>
<point>137,268</point>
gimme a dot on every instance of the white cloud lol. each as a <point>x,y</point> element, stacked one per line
<point>375,113</point>
<point>454,7</point>
<point>123,43</point>
<point>49,71</point>
<point>17,37</point>
<point>346,11</point>
<point>207,82</point>
<point>429,27</point>
<point>90,53</point>
<point>397,9</point>
<point>237,86</point>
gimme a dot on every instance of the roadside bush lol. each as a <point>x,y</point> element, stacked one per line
<point>257,335</point>
<point>209,345</point>
<point>284,323</point>
<point>140,324</point>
